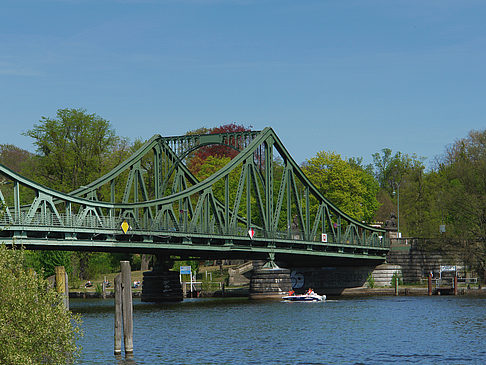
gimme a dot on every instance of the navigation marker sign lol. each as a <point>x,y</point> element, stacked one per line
<point>324,237</point>
<point>125,227</point>
<point>251,233</point>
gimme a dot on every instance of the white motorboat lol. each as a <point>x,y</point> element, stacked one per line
<point>312,297</point>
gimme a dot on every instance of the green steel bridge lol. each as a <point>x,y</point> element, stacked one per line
<point>260,205</point>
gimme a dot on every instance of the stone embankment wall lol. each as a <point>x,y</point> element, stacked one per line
<point>415,263</point>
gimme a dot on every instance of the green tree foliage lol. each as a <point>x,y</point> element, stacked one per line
<point>35,328</point>
<point>383,166</point>
<point>72,148</point>
<point>14,157</point>
<point>463,198</point>
<point>104,262</point>
<point>400,174</point>
<point>346,184</point>
<point>213,164</point>
<point>197,159</point>
<point>20,161</point>
<point>390,170</point>
<point>452,194</point>
<point>194,264</point>
<point>46,261</point>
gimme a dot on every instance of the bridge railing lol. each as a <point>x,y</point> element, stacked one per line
<point>47,221</point>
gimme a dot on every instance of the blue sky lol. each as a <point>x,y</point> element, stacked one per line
<point>352,77</point>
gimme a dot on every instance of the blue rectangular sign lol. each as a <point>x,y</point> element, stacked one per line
<point>185,270</point>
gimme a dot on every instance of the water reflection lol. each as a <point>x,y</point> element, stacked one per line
<point>125,360</point>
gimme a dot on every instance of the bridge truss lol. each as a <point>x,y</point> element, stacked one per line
<point>153,203</point>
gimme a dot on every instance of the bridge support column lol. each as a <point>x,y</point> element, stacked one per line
<point>270,283</point>
<point>161,284</point>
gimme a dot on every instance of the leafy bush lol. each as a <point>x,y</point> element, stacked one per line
<point>396,276</point>
<point>46,261</point>
<point>35,327</point>
<point>99,289</point>
<point>74,282</point>
<point>370,280</point>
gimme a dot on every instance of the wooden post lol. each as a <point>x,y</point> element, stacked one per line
<point>103,290</point>
<point>61,284</point>
<point>184,289</point>
<point>126,278</point>
<point>66,290</point>
<point>118,314</point>
<point>455,284</point>
<point>429,284</point>
<point>59,279</point>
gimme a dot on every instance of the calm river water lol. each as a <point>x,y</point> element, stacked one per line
<point>367,330</point>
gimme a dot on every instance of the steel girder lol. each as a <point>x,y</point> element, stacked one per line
<point>287,214</point>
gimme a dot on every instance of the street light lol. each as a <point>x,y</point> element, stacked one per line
<point>398,209</point>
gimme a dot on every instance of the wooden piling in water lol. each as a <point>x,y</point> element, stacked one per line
<point>62,284</point>
<point>184,289</point>
<point>455,284</point>
<point>118,314</point>
<point>103,288</point>
<point>126,279</point>
<point>429,284</point>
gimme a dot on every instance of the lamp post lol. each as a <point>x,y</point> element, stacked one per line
<point>398,209</point>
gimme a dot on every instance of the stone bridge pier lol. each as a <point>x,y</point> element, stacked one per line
<point>269,283</point>
<point>161,284</point>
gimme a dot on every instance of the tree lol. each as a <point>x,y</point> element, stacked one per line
<point>383,164</point>
<point>14,157</point>
<point>451,195</point>
<point>390,170</point>
<point>211,165</point>
<point>402,174</point>
<point>46,261</point>
<point>197,159</point>
<point>18,160</point>
<point>385,206</point>
<point>72,148</point>
<point>35,327</point>
<point>346,184</point>
<point>463,169</point>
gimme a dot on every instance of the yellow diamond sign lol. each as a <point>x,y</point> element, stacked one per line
<point>125,227</point>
